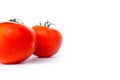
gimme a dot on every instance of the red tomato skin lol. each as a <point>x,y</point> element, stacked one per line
<point>48,42</point>
<point>17,42</point>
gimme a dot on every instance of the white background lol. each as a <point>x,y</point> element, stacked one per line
<point>91,39</point>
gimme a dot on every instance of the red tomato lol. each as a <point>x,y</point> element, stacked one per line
<point>17,42</point>
<point>48,41</point>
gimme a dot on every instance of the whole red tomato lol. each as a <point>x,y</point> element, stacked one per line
<point>48,40</point>
<point>17,42</point>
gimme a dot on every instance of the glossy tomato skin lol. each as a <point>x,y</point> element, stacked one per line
<point>17,42</point>
<point>48,42</point>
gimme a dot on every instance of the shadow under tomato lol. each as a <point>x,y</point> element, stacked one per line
<point>35,60</point>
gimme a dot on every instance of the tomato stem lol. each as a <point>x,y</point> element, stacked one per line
<point>47,23</point>
<point>16,20</point>
<point>40,24</point>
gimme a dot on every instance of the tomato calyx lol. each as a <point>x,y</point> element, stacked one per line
<point>47,23</point>
<point>16,20</point>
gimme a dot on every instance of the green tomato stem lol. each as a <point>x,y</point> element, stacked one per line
<point>16,20</point>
